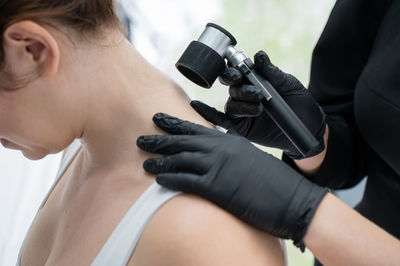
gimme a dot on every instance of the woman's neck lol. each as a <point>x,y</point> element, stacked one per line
<point>126,92</point>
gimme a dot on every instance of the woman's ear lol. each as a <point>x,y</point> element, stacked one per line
<point>30,48</point>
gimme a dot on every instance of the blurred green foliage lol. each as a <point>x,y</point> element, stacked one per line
<point>286,29</point>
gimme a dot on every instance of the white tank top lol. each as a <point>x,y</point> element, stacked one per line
<point>122,242</point>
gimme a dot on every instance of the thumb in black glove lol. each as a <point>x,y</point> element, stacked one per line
<point>229,171</point>
<point>244,113</point>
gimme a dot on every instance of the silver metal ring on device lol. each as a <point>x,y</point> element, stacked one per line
<point>215,39</point>
<point>234,56</point>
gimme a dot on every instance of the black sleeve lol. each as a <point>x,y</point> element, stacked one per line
<point>338,60</point>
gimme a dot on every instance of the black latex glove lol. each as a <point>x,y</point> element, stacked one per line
<point>244,113</point>
<point>231,172</point>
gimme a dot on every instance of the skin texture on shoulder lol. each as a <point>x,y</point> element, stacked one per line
<point>189,230</point>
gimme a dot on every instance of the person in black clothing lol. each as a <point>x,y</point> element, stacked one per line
<point>352,106</point>
<point>356,79</point>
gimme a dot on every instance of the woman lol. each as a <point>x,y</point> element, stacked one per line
<point>68,73</point>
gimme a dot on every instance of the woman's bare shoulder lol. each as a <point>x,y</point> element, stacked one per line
<point>189,230</point>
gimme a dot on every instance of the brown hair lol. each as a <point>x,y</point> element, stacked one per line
<point>84,16</point>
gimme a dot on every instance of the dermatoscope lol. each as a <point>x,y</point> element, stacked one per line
<point>204,60</point>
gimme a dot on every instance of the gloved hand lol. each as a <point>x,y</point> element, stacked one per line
<point>244,113</point>
<point>231,172</point>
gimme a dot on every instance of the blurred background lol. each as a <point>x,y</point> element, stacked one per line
<point>286,29</point>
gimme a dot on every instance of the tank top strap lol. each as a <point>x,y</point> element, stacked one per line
<point>122,242</point>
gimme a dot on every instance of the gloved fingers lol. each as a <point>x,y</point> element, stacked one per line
<point>239,109</point>
<point>231,76</point>
<point>171,144</point>
<point>272,73</point>
<point>286,84</point>
<point>211,114</point>
<point>184,162</point>
<point>188,183</point>
<point>247,93</point>
<point>176,126</point>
